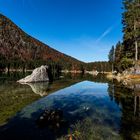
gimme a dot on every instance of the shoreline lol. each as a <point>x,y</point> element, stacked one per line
<point>125,78</point>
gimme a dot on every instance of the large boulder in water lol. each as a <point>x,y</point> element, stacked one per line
<point>38,75</point>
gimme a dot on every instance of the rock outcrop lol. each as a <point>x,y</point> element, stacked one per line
<point>38,75</point>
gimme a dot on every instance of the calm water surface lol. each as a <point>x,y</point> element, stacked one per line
<point>109,109</point>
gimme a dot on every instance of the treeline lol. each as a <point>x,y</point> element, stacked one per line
<point>56,67</point>
<point>126,54</point>
<point>101,66</point>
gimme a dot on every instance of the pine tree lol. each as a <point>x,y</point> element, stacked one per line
<point>131,29</point>
<point>118,52</point>
<point>111,57</point>
<point>118,56</point>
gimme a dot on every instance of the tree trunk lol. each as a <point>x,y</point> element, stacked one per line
<point>112,68</point>
<point>136,50</point>
<point>136,43</point>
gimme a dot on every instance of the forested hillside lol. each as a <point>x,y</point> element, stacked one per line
<point>126,54</point>
<point>19,50</point>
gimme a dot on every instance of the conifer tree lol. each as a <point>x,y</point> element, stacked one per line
<point>111,57</point>
<point>131,28</point>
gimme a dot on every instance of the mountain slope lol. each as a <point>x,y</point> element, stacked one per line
<point>17,48</point>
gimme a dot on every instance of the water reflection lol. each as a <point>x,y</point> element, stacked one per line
<point>127,97</point>
<point>137,104</point>
<point>113,109</point>
<point>15,96</point>
<point>39,88</point>
<point>78,102</point>
<point>135,87</point>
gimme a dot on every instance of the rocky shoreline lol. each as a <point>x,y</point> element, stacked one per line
<point>126,79</point>
<point>131,75</point>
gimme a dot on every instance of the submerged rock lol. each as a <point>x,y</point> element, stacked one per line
<point>38,75</point>
<point>54,119</point>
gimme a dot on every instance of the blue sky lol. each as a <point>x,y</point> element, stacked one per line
<point>84,29</point>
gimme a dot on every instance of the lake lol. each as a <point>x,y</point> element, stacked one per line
<point>84,107</point>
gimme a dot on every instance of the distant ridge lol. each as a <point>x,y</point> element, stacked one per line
<point>18,48</point>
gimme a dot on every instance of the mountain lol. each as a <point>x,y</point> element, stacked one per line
<point>18,50</point>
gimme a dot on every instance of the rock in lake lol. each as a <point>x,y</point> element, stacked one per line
<point>54,119</point>
<point>38,75</point>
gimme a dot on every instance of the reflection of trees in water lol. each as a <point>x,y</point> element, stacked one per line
<point>136,93</point>
<point>100,78</point>
<point>13,97</point>
<point>45,88</point>
<point>136,105</point>
<point>129,101</point>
